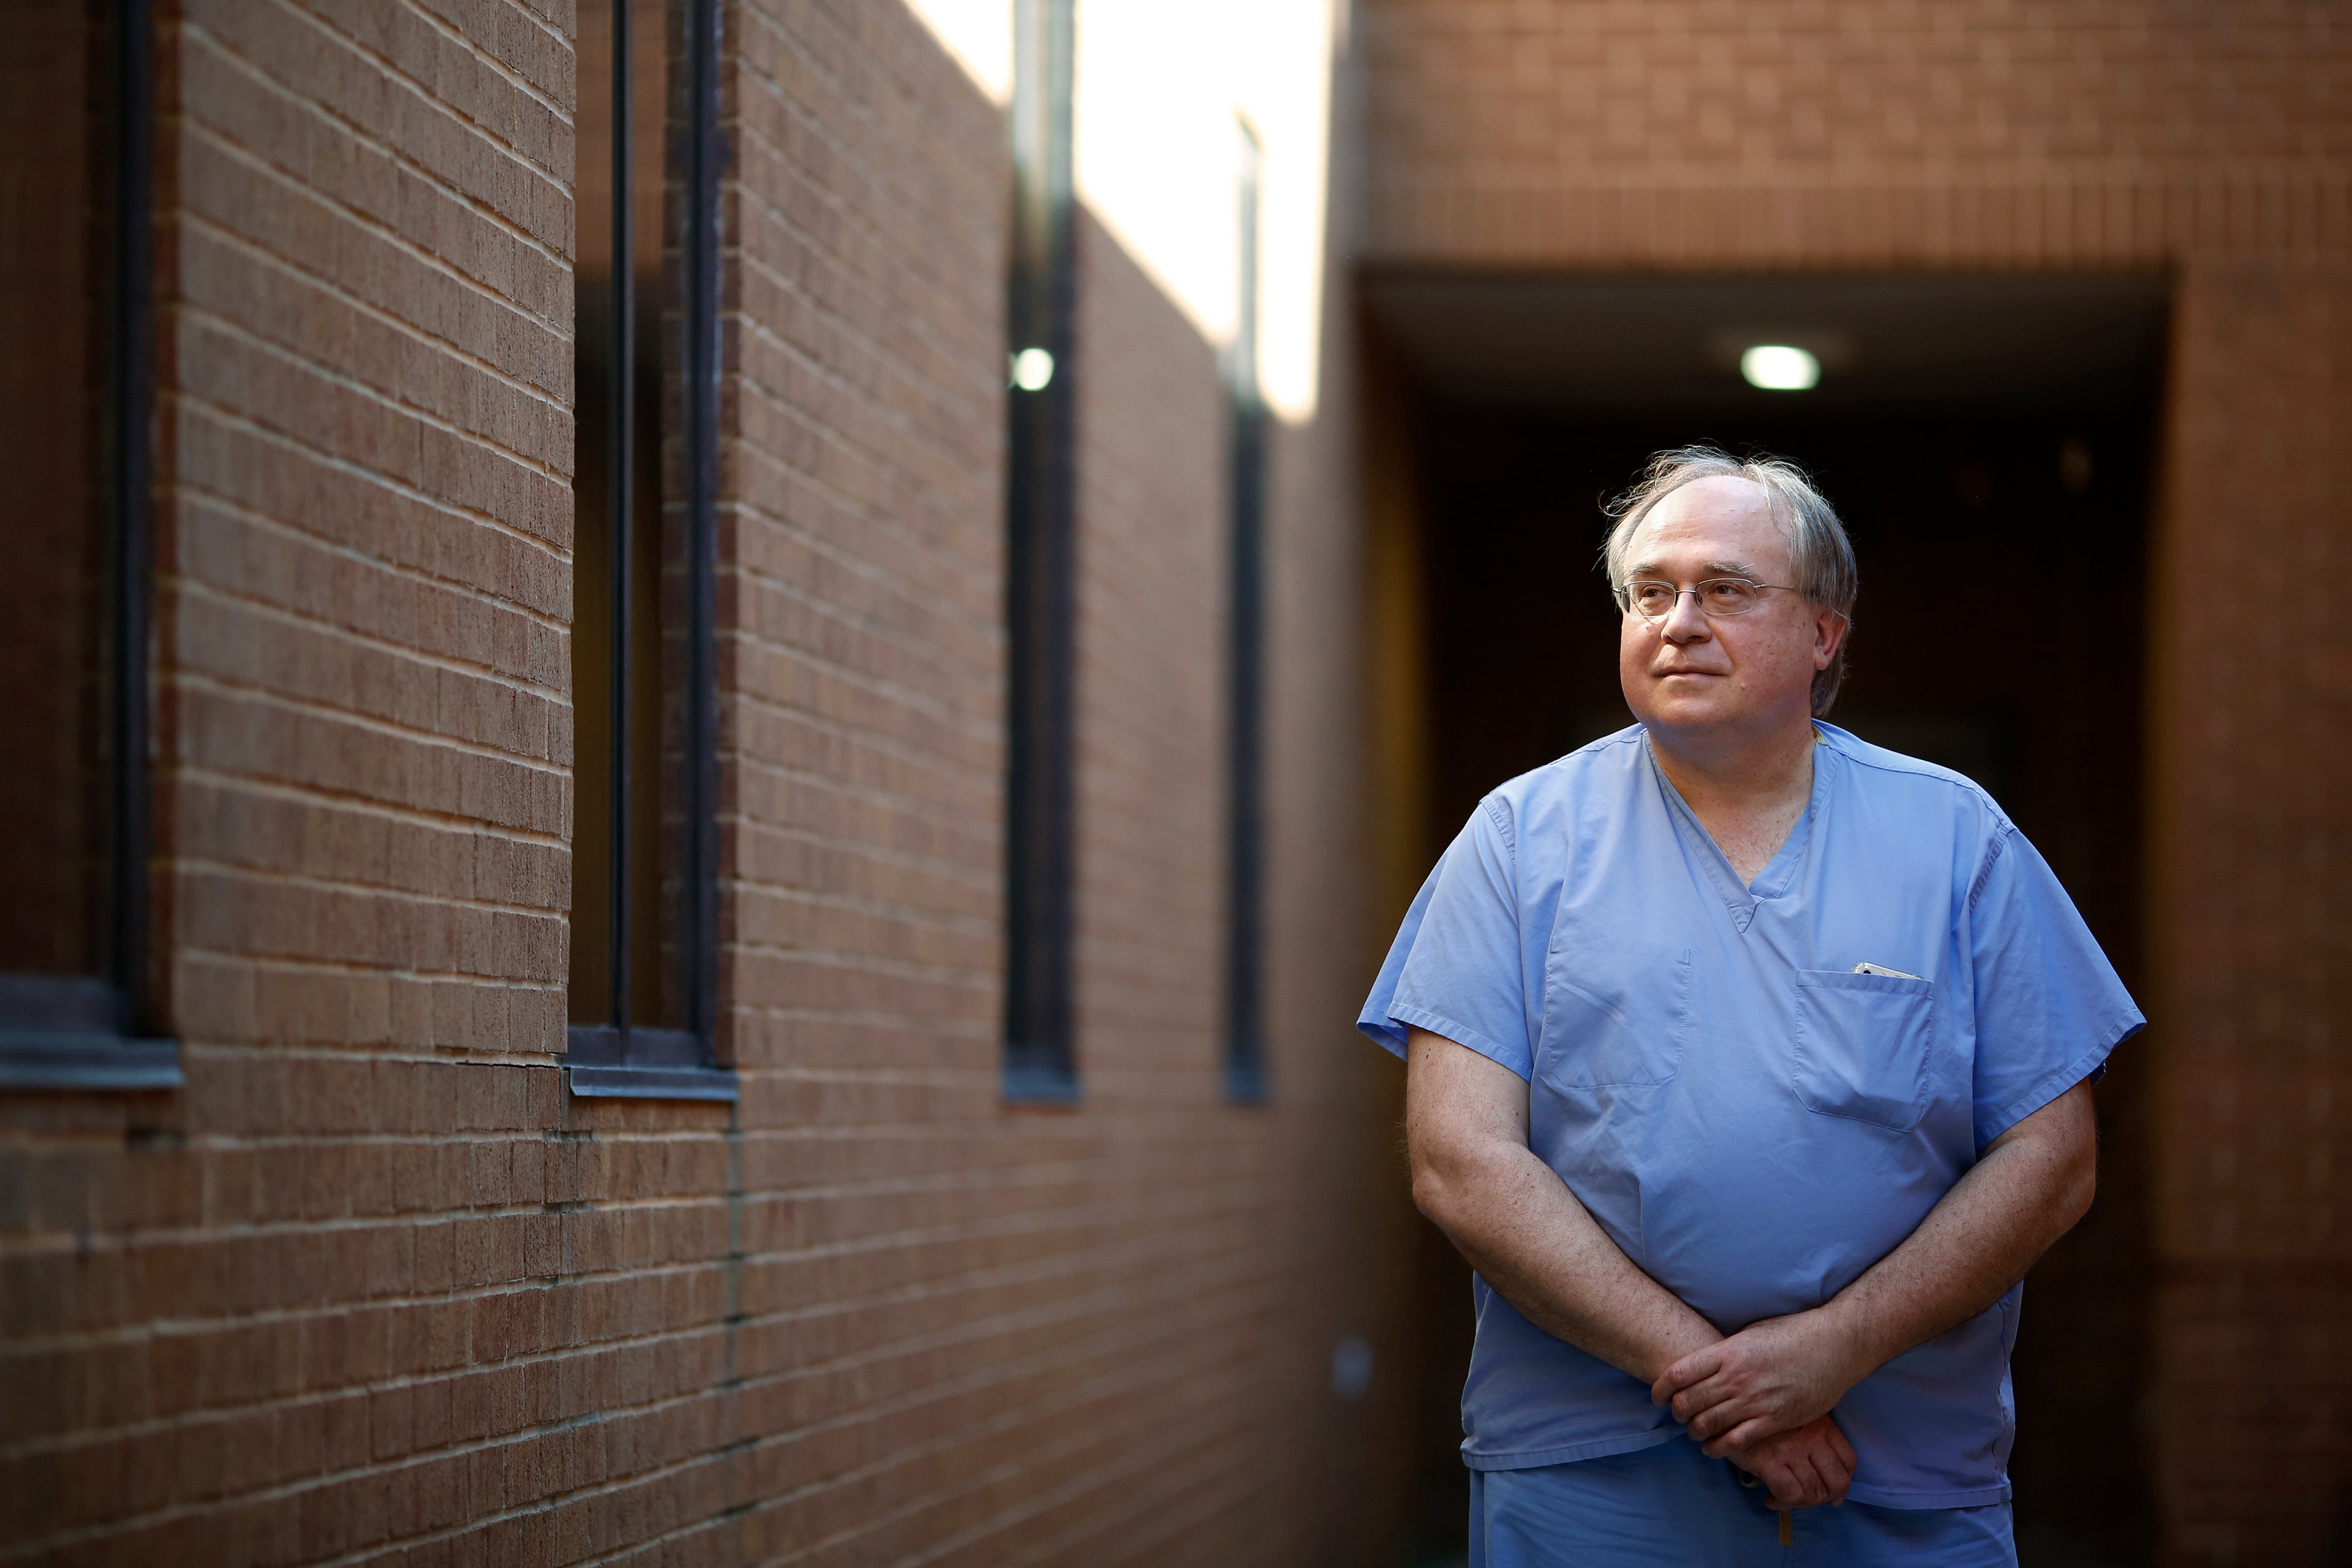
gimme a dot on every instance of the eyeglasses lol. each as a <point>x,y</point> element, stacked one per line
<point>1717,597</point>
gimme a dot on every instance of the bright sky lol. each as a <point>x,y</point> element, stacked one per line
<point>1159,86</point>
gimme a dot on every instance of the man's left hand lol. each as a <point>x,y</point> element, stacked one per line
<point>1771,1376</point>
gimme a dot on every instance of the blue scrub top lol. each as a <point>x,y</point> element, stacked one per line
<point>1753,1123</point>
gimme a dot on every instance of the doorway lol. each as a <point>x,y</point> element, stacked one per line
<point>1989,443</point>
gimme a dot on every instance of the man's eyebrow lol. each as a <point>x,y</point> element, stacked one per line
<point>1651,569</point>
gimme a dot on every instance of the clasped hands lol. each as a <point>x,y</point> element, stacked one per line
<point>1761,1399</point>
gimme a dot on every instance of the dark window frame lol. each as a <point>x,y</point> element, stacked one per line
<point>1246,425</point>
<point>622,1060</point>
<point>1040,1061</point>
<point>96,1031</point>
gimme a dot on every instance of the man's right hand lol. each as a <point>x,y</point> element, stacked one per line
<point>1805,1467</point>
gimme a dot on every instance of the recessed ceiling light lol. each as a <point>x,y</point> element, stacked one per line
<point>1780,367</point>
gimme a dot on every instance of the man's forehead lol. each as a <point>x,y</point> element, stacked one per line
<point>1704,569</point>
<point>1727,517</point>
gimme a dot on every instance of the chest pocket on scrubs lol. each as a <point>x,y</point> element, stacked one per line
<point>1861,1046</point>
<point>1596,1038</point>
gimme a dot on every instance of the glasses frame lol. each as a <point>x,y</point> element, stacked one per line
<point>1623,595</point>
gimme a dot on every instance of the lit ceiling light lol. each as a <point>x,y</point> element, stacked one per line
<point>1034,368</point>
<point>1778,367</point>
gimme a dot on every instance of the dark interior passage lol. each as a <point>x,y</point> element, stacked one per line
<point>1999,632</point>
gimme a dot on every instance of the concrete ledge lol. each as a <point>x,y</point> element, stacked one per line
<point>69,1059</point>
<point>608,1083</point>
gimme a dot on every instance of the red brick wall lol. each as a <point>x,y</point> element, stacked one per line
<point>233,1315</point>
<point>1993,133</point>
<point>364,586</point>
<point>1329,918</point>
<point>882,1307</point>
<point>2211,141</point>
<point>2254,1206</point>
<point>1027,1336</point>
<point>373,1288</point>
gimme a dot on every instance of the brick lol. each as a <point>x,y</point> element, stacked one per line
<point>378,1290</point>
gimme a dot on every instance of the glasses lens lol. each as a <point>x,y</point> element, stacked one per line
<point>1649,599</point>
<point>1727,595</point>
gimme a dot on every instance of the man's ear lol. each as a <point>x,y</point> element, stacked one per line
<point>1830,628</point>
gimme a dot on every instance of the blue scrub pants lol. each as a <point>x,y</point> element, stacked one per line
<point>1672,1507</point>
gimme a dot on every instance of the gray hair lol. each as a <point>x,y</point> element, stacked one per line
<point>1822,554</point>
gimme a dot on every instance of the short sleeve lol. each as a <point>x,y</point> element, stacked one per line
<point>1455,968</point>
<point>2049,1006</point>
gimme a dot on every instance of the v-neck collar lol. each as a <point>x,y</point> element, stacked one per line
<point>1741,898</point>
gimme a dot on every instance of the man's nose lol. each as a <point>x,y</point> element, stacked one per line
<point>1685,623</point>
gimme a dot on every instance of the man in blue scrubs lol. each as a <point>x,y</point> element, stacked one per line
<point>1750,1066</point>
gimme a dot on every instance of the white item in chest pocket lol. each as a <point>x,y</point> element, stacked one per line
<point>1882,969</point>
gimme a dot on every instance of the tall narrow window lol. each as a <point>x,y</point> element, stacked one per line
<point>1245,744</point>
<point>644,889</point>
<point>76,347</point>
<point>1040,1059</point>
